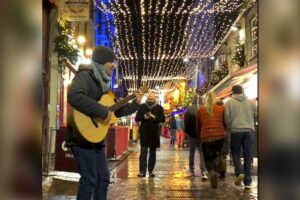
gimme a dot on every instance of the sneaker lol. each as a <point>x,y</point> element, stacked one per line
<point>248,187</point>
<point>239,179</point>
<point>204,176</point>
<point>141,175</point>
<point>151,174</point>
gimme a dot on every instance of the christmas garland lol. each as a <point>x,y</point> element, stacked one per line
<point>63,42</point>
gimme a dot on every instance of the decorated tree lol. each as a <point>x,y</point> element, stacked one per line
<point>239,56</point>
<point>204,88</point>
<point>63,42</point>
<point>219,74</point>
<point>187,101</point>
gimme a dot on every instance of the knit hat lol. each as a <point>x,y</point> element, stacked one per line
<point>102,55</point>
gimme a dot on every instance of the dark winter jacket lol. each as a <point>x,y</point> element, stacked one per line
<point>191,120</point>
<point>149,129</point>
<point>84,94</point>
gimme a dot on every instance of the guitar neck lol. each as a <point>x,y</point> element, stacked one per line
<point>121,103</point>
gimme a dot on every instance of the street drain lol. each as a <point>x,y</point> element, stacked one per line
<point>203,194</point>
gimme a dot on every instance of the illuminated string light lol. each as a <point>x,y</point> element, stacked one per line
<point>169,32</point>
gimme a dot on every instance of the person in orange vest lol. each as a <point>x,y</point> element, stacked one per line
<point>212,129</point>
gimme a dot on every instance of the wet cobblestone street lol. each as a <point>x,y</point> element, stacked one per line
<point>172,180</point>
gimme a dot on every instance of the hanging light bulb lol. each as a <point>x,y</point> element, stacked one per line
<point>81,40</point>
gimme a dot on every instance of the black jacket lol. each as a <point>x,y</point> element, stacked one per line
<point>190,121</point>
<point>84,94</point>
<point>149,128</point>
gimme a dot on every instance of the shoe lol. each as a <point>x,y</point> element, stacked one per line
<point>151,174</point>
<point>191,171</point>
<point>248,187</point>
<point>238,181</point>
<point>141,175</point>
<point>222,175</point>
<point>213,180</point>
<point>204,176</point>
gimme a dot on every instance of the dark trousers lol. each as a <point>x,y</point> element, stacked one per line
<point>211,151</point>
<point>237,141</point>
<point>196,144</point>
<point>93,169</point>
<point>143,159</point>
<point>172,136</point>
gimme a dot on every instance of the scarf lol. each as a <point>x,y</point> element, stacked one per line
<point>101,76</point>
<point>150,106</point>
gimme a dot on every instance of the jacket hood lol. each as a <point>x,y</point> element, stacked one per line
<point>239,97</point>
<point>84,67</point>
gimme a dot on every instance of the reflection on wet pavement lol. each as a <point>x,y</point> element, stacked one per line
<point>171,181</point>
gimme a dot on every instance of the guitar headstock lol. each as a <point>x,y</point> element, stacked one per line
<point>144,89</point>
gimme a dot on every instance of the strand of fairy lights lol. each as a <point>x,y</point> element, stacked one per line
<point>169,53</point>
<point>104,9</point>
<point>131,62</point>
<point>164,73</point>
<point>159,57</point>
<point>166,62</point>
<point>127,63</point>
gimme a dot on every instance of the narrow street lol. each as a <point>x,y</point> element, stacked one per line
<point>172,180</point>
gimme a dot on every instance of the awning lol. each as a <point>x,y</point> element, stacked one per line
<point>247,77</point>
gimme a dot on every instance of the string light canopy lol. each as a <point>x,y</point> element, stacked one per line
<point>161,40</point>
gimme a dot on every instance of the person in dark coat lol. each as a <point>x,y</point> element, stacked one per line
<point>191,129</point>
<point>87,87</point>
<point>150,115</point>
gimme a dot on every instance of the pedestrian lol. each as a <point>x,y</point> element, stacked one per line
<point>86,89</point>
<point>150,114</point>
<point>212,133</point>
<point>172,127</point>
<point>191,129</point>
<point>179,131</point>
<point>221,166</point>
<point>240,114</point>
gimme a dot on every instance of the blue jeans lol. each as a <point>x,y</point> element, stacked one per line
<point>93,169</point>
<point>172,136</point>
<point>196,144</point>
<point>244,140</point>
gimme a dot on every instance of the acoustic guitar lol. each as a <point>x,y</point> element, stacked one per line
<point>93,129</point>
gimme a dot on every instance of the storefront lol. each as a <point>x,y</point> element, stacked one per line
<point>247,77</point>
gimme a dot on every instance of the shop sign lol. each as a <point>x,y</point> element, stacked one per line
<point>77,10</point>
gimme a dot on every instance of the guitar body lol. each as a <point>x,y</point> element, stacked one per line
<point>95,130</point>
<point>86,130</point>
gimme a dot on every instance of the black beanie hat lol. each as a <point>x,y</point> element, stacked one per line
<point>237,89</point>
<point>103,54</point>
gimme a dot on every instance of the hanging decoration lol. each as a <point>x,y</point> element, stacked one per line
<point>220,73</point>
<point>63,43</point>
<point>239,56</point>
<point>155,38</point>
<point>188,98</point>
<point>204,88</point>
